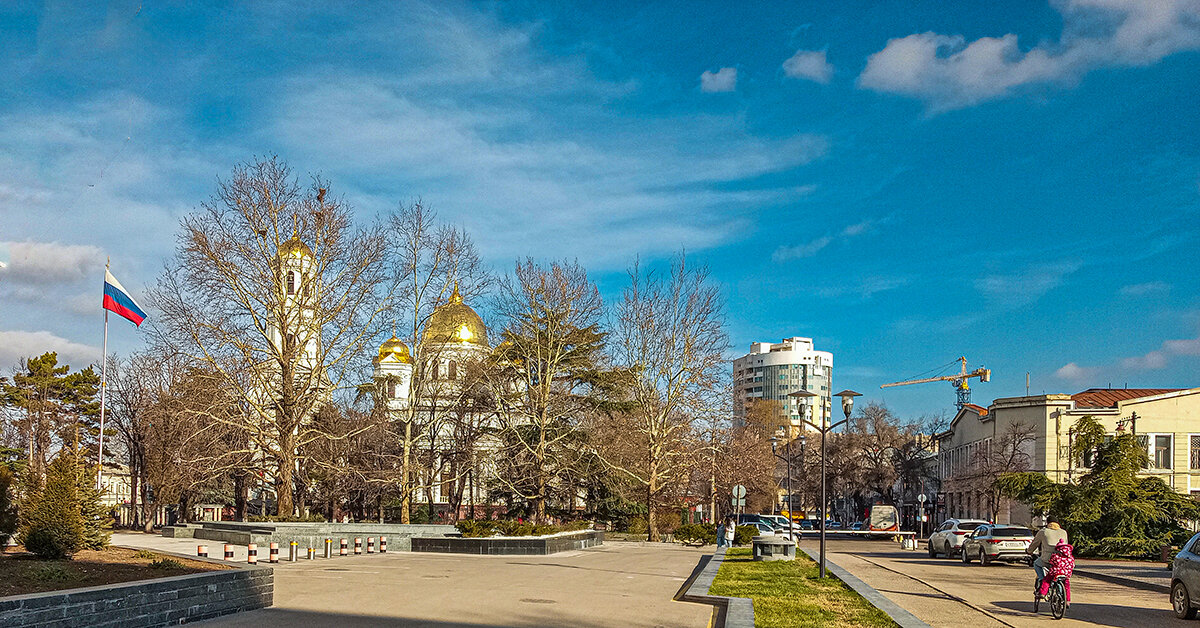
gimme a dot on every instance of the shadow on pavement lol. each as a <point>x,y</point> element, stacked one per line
<point>272,617</point>
<point>1098,614</point>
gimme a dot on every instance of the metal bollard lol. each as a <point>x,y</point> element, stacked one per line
<point>228,552</point>
<point>292,551</point>
<point>252,554</point>
<point>202,551</point>
<point>357,545</point>
<point>370,545</point>
<point>383,545</point>
<point>273,553</point>
<point>343,547</point>
<point>312,553</point>
<point>328,548</point>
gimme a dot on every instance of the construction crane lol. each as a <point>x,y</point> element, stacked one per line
<point>961,387</point>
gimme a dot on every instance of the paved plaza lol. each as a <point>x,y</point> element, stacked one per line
<point>945,592</point>
<point>618,584</point>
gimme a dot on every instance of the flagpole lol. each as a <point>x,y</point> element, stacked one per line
<point>103,390</point>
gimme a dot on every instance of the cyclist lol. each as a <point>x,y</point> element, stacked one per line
<point>1043,545</point>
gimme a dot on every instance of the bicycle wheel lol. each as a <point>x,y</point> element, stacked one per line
<point>1058,600</point>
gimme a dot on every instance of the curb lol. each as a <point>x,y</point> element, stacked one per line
<point>1128,582</point>
<point>728,612</point>
<point>898,614</point>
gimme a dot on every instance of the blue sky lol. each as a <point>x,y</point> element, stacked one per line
<point>904,182</point>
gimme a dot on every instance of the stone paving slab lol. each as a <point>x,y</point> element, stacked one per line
<point>1149,576</point>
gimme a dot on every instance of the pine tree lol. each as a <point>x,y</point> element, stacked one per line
<point>8,514</point>
<point>52,524</point>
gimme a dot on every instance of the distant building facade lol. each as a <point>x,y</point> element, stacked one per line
<point>1166,421</point>
<point>775,371</point>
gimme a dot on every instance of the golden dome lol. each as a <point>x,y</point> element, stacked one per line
<point>396,348</point>
<point>456,322</point>
<point>295,248</point>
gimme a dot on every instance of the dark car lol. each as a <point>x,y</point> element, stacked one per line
<point>807,524</point>
<point>1185,580</point>
<point>993,542</point>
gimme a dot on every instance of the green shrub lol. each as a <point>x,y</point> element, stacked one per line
<point>52,573</point>
<point>474,528</point>
<point>166,563</point>
<point>313,518</point>
<point>636,526</point>
<point>145,554</point>
<point>744,535</point>
<point>52,524</point>
<point>705,533</point>
<point>8,513</point>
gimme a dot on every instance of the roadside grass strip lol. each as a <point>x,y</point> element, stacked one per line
<point>788,594</point>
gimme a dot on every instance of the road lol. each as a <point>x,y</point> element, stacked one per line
<point>616,584</point>
<point>948,593</point>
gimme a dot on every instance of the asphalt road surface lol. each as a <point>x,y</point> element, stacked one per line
<point>946,592</point>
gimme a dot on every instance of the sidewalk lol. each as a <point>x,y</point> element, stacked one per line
<point>1145,575</point>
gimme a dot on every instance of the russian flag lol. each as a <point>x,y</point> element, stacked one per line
<point>116,299</point>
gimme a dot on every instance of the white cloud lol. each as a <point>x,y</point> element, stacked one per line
<point>17,345</point>
<point>40,263</point>
<point>1145,289</point>
<point>1018,289</point>
<point>948,72</point>
<point>1150,361</point>
<point>816,245</point>
<point>1072,372</point>
<point>723,80</point>
<point>809,64</point>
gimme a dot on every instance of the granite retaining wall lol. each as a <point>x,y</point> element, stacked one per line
<point>540,545</point>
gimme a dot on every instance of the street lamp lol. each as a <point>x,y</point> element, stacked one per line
<point>788,460</point>
<point>824,428</point>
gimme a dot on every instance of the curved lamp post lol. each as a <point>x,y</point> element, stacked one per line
<point>788,447</point>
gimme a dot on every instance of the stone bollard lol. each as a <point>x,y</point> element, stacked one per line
<point>312,553</point>
<point>252,554</point>
<point>357,545</point>
<point>328,548</point>
<point>370,545</point>
<point>292,551</point>
<point>202,551</point>
<point>383,545</point>
<point>228,552</point>
<point>343,551</point>
<point>273,553</point>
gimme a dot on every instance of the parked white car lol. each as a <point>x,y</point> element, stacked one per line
<point>948,539</point>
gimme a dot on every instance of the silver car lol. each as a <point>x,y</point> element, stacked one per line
<point>948,538</point>
<point>1185,580</point>
<point>990,543</point>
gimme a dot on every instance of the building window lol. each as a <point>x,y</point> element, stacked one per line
<point>1194,452</point>
<point>291,283</point>
<point>452,370</point>
<point>1161,451</point>
<point>392,390</point>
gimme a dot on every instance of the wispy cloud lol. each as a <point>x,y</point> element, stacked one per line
<point>723,80</point>
<point>948,72</point>
<point>809,64</point>
<point>1153,360</point>
<point>1076,374</point>
<point>1017,289</point>
<point>40,263</point>
<point>1145,289</point>
<point>865,287</point>
<point>816,245</point>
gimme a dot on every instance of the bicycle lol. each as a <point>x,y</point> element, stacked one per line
<point>1056,596</point>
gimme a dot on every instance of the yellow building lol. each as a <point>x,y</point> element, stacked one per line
<point>1035,433</point>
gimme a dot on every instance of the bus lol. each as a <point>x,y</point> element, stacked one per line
<point>884,518</point>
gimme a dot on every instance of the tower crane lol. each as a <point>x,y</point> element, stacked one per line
<point>961,387</point>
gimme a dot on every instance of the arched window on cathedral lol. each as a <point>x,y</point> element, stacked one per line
<point>452,370</point>
<point>291,283</point>
<point>392,390</point>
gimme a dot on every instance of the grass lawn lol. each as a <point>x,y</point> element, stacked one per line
<point>789,594</point>
<point>22,572</point>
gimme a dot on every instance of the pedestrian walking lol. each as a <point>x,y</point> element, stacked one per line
<point>730,531</point>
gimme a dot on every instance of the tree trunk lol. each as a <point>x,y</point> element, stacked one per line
<point>239,495</point>
<point>651,489</point>
<point>539,502</point>
<point>405,474</point>
<point>134,511</point>
<point>283,481</point>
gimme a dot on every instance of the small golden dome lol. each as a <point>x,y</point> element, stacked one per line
<point>293,247</point>
<point>456,322</point>
<point>396,348</point>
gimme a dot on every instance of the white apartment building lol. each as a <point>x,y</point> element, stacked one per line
<point>775,371</point>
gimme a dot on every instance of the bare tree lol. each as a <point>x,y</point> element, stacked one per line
<point>669,336</point>
<point>544,375</point>
<point>1009,451</point>
<point>276,292</point>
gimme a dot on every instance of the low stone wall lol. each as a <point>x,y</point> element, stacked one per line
<point>309,534</point>
<point>534,545</point>
<point>145,603</point>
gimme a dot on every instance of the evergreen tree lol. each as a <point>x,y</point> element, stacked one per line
<point>52,524</point>
<point>8,512</point>
<point>1112,510</point>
